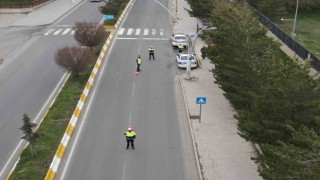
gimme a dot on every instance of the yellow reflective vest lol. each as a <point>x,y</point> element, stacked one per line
<point>139,61</point>
<point>131,134</point>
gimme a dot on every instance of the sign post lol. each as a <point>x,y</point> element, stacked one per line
<point>201,100</point>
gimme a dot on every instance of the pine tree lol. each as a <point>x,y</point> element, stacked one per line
<point>29,135</point>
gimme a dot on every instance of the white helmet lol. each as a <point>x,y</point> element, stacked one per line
<point>129,129</point>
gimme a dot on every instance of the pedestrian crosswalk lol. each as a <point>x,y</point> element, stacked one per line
<point>63,30</point>
<point>60,30</point>
<point>140,32</point>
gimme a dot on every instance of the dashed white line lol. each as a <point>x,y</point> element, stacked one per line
<point>129,31</point>
<point>66,31</point>
<point>49,32</point>
<point>138,31</point>
<point>121,31</point>
<point>57,32</point>
<point>146,32</point>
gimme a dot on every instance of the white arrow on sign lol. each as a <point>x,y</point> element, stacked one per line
<point>201,101</point>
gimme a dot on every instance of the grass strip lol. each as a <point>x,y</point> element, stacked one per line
<point>52,129</point>
<point>307,29</point>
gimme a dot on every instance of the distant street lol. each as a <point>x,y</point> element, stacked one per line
<point>29,75</point>
<point>148,101</point>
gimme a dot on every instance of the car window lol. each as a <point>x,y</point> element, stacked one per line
<point>184,58</point>
<point>180,38</point>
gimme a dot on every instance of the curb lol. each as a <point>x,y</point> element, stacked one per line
<point>191,131</point>
<point>74,119</point>
<point>123,14</point>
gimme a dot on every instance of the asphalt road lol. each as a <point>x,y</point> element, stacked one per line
<point>29,76</point>
<point>148,101</point>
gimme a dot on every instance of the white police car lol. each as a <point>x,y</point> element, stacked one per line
<point>179,38</point>
<point>183,58</point>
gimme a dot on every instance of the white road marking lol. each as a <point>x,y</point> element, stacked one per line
<point>57,32</point>
<point>145,32</point>
<point>156,39</point>
<point>72,32</point>
<point>129,31</point>
<point>64,25</point>
<point>138,31</point>
<point>49,32</point>
<point>154,31</point>
<point>127,38</point>
<point>161,32</point>
<point>121,31</point>
<point>66,31</point>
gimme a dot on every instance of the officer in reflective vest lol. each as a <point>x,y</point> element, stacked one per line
<point>130,135</point>
<point>139,61</point>
<point>180,48</point>
<point>151,52</point>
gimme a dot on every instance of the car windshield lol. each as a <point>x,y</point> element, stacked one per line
<point>180,38</point>
<point>184,57</point>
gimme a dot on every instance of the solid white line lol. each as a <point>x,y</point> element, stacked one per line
<point>138,31</point>
<point>156,39</point>
<point>72,32</point>
<point>126,38</point>
<point>49,32</point>
<point>129,31</point>
<point>121,31</point>
<point>66,31</point>
<point>154,31</point>
<point>57,32</point>
<point>146,32</point>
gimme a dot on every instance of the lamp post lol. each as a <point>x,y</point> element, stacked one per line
<point>196,36</point>
<point>188,66</point>
<point>293,34</point>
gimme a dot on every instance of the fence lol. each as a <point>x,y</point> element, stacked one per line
<point>285,38</point>
<point>18,5</point>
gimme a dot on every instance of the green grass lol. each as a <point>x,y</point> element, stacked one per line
<point>307,29</point>
<point>52,129</point>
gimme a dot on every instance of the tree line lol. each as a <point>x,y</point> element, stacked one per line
<point>270,8</point>
<point>277,102</point>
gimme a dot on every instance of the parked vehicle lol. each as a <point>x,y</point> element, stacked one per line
<point>183,58</point>
<point>179,38</point>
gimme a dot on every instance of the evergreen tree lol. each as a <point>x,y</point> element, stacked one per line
<point>29,135</point>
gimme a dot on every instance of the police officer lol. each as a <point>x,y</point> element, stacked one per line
<point>138,61</point>
<point>151,52</point>
<point>180,48</point>
<point>130,136</point>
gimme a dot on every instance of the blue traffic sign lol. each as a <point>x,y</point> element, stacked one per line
<point>108,17</point>
<point>201,100</point>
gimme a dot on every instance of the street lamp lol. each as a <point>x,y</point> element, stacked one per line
<point>189,64</point>
<point>196,36</point>
<point>293,33</point>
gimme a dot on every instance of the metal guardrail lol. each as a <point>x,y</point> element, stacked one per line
<point>285,38</point>
<point>20,5</point>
